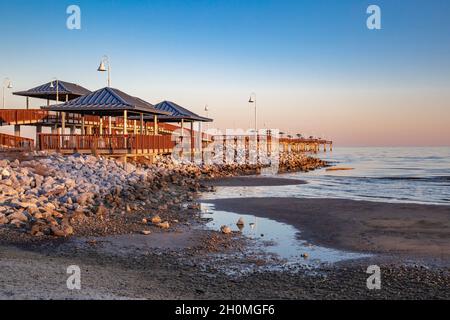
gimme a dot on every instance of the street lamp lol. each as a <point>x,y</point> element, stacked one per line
<point>207,110</point>
<point>6,85</point>
<point>57,88</point>
<point>105,66</point>
<point>252,99</point>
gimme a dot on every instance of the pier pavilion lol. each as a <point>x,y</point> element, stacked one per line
<point>114,133</point>
<point>191,139</point>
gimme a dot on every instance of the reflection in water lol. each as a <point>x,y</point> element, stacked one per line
<point>275,238</point>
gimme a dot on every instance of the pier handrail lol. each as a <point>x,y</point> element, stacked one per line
<point>126,143</point>
<point>14,142</point>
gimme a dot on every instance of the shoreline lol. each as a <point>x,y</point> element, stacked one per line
<point>185,261</point>
<point>361,226</point>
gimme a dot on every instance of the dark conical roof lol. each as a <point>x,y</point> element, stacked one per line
<point>51,89</point>
<point>107,101</point>
<point>178,112</point>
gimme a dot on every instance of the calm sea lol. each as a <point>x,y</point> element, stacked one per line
<point>406,175</point>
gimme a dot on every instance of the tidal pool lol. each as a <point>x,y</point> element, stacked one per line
<point>275,238</point>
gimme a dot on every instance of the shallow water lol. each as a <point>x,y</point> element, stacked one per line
<point>276,238</point>
<point>397,175</point>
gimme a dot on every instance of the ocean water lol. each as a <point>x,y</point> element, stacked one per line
<point>399,175</point>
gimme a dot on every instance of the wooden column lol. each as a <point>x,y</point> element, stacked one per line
<point>101,126</point>
<point>199,138</point>
<point>135,126</point>
<point>82,125</point>
<point>192,141</point>
<point>155,124</point>
<point>17,130</point>
<point>110,125</point>
<point>38,132</point>
<point>182,137</point>
<point>28,103</point>
<point>142,122</point>
<point>125,122</point>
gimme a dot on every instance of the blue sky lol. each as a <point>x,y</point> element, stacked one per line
<point>304,59</point>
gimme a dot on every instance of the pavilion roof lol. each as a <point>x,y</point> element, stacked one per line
<point>55,88</point>
<point>177,113</point>
<point>107,101</point>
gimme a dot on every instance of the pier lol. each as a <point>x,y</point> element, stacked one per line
<point>111,122</point>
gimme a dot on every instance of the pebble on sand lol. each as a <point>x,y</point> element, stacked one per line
<point>225,229</point>
<point>156,220</point>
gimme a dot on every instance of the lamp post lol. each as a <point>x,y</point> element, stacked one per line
<point>207,115</point>
<point>105,66</point>
<point>252,99</point>
<point>57,88</point>
<point>6,85</point>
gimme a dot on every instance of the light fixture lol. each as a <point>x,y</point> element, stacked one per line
<point>101,67</point>
<point>105,66</point>
<point>6,85</point>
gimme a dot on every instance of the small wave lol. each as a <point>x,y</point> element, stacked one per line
<point>431,179</point>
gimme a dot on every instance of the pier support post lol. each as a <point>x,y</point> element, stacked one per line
<point>199,138</point>
<point>17,130</point>
<point>155,125</point>
<point>82,125</point>
<point>109,125</point>
<point>125,129</point>
<point>192,141</point>
<point>63,122</point>
<point>38,132</point>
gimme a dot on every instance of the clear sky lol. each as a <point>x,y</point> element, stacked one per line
<point>315,67</point>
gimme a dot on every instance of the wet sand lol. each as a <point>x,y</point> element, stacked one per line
<point>362,226</point>
<point>254,181</point>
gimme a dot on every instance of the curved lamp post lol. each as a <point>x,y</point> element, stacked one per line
<point>6,85</point>
<point>105,66</point>
<point>57,88</point>
<point>252,99</point>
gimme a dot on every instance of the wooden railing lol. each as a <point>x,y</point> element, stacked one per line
<point>31,116</point>
<point>13,142</point>
<point>17,116</point>
<point>75,142</point>
<point>110,144</point>
<point>158,144</point>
